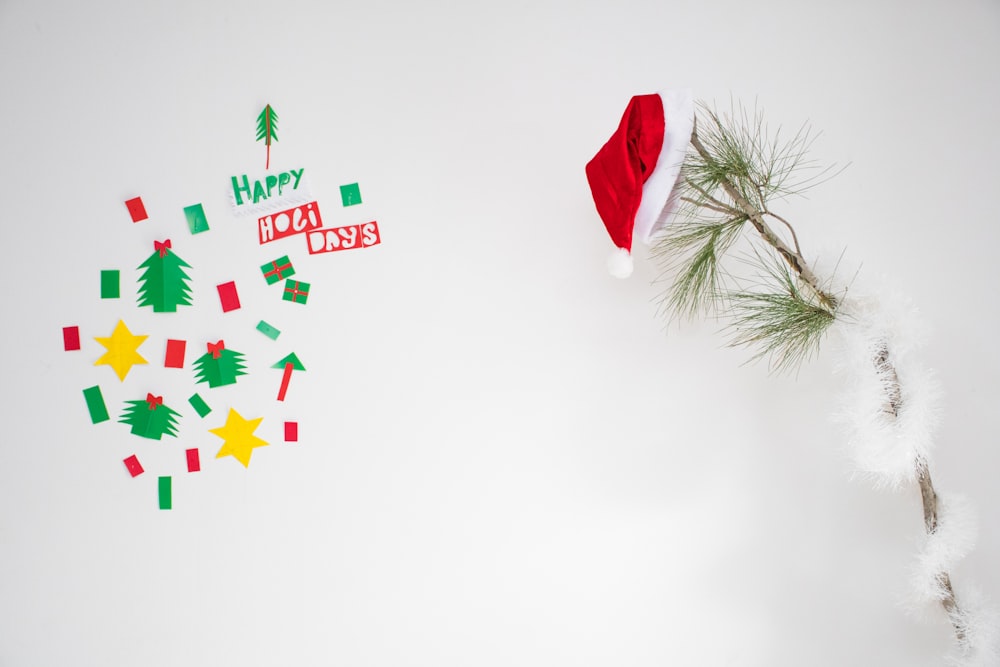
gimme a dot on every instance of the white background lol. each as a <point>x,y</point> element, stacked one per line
<point>506,457</point>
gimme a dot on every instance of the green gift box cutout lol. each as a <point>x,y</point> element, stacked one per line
<point>295,291</point>
<point>350,194</point>
<point>278,269</point>
<point>196,220</point>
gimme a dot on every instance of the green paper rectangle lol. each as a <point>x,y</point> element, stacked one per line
<point>196,220</point>
<point>350,194</point>
<point>110,284</point>
<point>199,405</point>
<point>268,330</point>
<point>95,404</point>
<point>166,494</point>
<point>295,291</point>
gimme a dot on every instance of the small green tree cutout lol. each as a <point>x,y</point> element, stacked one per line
<point>163,283</point>
<point>150,418</point>
<point>267,128</point>
<point>219,366</point>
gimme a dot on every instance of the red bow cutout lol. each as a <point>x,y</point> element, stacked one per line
<point>154,401</point>
<point>216,349</point>
<point>161,247</point>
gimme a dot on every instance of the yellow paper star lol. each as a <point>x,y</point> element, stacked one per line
<point>122,348</point>
<point>239,440</point>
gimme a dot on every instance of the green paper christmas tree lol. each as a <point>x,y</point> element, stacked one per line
<point>150,418</point>
<point>219,366</point>
<point>267,127</point>
<point>163,283</point>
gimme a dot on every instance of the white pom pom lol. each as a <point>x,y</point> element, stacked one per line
<point>620,263</point>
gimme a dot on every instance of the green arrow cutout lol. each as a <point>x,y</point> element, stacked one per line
<point>289,363</point>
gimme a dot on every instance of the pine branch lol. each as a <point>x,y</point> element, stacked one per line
<point>783,322</point>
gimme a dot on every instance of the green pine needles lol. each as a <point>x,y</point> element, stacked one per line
<point>729,182</point>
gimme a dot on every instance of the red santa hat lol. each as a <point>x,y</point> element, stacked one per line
<point>633,177</point>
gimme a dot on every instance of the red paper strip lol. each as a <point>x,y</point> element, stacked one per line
<point>136,209</point>
<point>193,461</point>
<point>285,377</point>
<point>344,238</point>
<point>175,353</point>
<point>291,431</point>
<point>298,220</point>
<point>228,297</point>
<point>133,466</point>
<point>71,338</point>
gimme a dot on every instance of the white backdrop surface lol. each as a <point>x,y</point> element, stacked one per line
<point>505,456</point>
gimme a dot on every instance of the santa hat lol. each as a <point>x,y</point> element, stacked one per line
<point>633,177</point>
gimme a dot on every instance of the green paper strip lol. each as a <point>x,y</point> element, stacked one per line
<point>95,404</point>
<point>166,494</point>
<point>110,284</point>
<point>199,405</point>
<point>268,330</point>
<point>196,220</point>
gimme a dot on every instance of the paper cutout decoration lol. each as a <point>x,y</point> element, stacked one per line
<point>350,194</point>
<point>122,352</point>
<point>219,366</point>
<point>163,283</point>
<point>267,127</point>
<point>268,330</point>
<point>95,404</point>
<point>238,438</point>
<point>291,431</point>
<point>199,405</point>
<point>136,209</point>
<point>195,216</point>
<point>270,192</point>
<point>344,238</point>
<point>295,291</point>
<point>174,357</point>
<point>150,418</point>
<point>133,466</point>
<point>282,224</point>
<point>193,460</point>
<point>228,297</point>
<point>166,495</point>
<point>71,338</point>
<point>288,364</point>
<point>110,284</point>
<point>277,269</point>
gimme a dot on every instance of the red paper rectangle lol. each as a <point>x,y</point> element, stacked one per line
<point>291,431</point>
<point>175,353</point>
<point>136,209</point>
<point>297,220</point>
<point>228,297</point>
<point>133,466</point>
<point>343,238</point>
<point>193,460</point>
<point>71,338</point>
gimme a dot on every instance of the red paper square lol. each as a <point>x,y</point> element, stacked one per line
<point>291,431</point>
<point>228,297</point>
<point>133,466</point>
<point>194,462</point>
<point>71,338</point>
<point>175,353</point>
<point>136,209</point>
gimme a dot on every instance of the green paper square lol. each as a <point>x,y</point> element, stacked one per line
<point>295,291</point>
<point>111,284</point>
<point>166,493</point>
<point>350,194</point>
<point>268,330</point>
<point>196,220</point>
<point>95,404</point>
<point>278,269</point>
<point>199,405</point>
